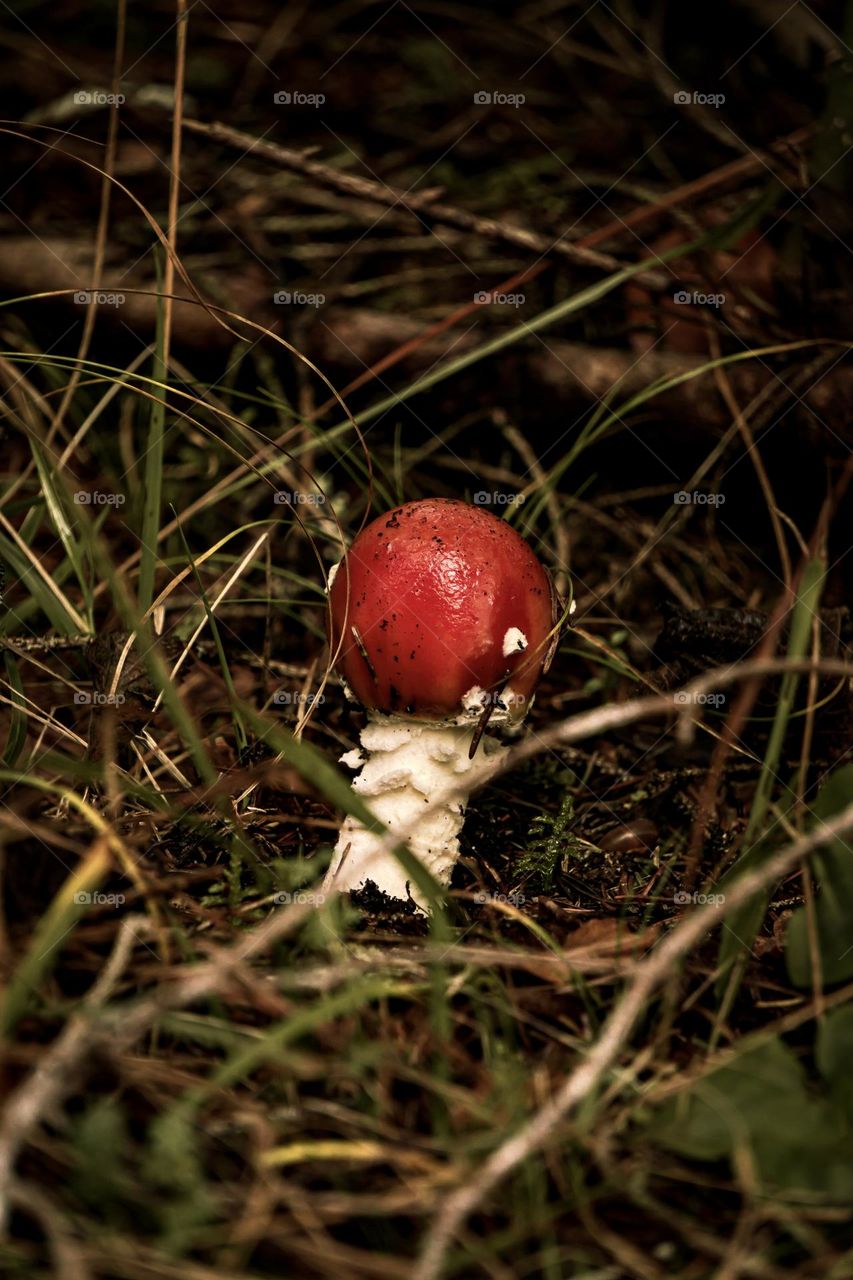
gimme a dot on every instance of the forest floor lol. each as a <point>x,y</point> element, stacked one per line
<point>267,272</point>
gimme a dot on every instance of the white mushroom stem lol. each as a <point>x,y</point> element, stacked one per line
<point>408,765</point>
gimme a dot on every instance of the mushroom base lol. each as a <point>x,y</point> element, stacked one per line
<point>407,765</point>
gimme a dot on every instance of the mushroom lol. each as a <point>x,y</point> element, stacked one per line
<point>441,621</point>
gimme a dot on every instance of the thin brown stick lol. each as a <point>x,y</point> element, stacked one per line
<point>102,227</point>
<point>424,207</point>
<point>181,24</point>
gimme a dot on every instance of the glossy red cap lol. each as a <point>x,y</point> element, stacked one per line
<point>443,598</point>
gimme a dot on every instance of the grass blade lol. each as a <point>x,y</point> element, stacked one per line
<point>18,724</point>
<point>54,501</point>
<point>743,926</point>
<point>153,475</point>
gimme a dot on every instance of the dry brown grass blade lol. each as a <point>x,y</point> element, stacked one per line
<point>53,587</point>
<point>181,27</point>
<point>102,228</point>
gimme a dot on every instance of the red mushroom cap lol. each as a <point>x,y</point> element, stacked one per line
<point>438,590</point>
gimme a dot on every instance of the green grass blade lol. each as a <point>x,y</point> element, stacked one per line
<point>55,503</point>
<point>743,924</point>
<point>18,721</point>
<point>237,719</point>
<point>48,601</point>
<point>153,473</point>
<point>62,914</point>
